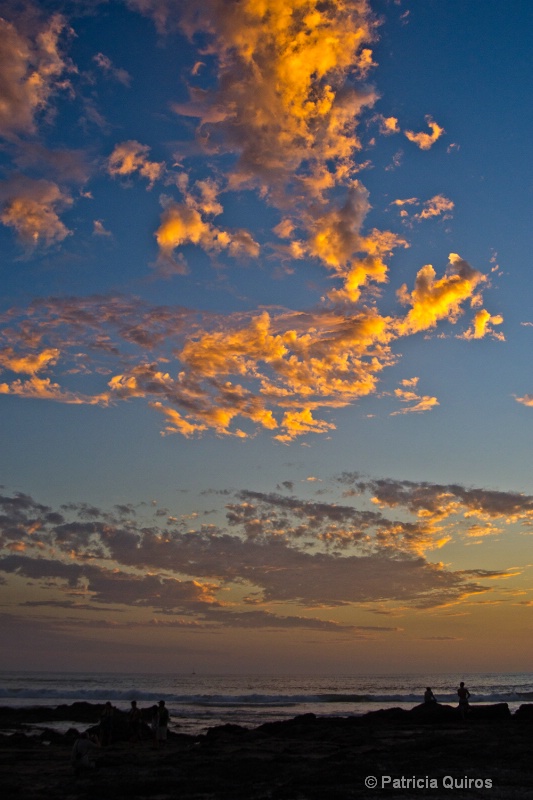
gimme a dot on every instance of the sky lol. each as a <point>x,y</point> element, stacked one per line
<point>265,334</point>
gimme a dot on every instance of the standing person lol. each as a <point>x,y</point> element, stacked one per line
<point>463,694</point>
<point>134,722</point>
<point>106,725</point>
<point>163,718</point>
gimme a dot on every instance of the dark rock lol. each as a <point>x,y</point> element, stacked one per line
<point>433,712</point>
<point>497,712</point>
<point>524,713</point>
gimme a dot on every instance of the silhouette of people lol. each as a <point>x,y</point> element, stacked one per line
<point>163,718</point>
<point>134,722</point>
<point>429,697</point>
<point>81,753</point>
<point>106,725</point>
<point>463,695</point>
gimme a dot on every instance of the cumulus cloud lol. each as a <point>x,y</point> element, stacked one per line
<point>482,326</point>
<point>31,207</point>
<point>182,223</point>
<point>434,299</point>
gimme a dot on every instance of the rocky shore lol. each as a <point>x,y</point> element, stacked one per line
<point>424,752</point>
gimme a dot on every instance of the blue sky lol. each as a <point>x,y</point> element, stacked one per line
<point>239,405</point>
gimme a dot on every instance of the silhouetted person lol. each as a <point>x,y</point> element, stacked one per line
<point>163,718</point>
<point>106,725</point>
<point>134,722</point>
<point>429,697</point>
<point>463,695</point>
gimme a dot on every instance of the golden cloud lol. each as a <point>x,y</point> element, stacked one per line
<point>132,156</point>
<point>436,207</point>
<point>32,208</point>
<point>434,299</point>
<point>388,125</point>
<point>426,140</point>
<point>30,363</point>
<point>182,224</point>
<point>43,389</point>
<point>481,326</point>
<point>31,71</point>
<point>416,403</point>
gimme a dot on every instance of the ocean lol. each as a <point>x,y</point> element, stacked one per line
<point>198,701</point>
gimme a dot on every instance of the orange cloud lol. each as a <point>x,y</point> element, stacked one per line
<point>32,208</point>
<point>181,224</point>
<point>31,71</point>
<point>417,403</point>
<point>526,400</point>
<point>435,207</point>
<point>482,326</point>
<point>388,125</point>
<point>434,299</point>
<point>130,157</point>
<point>43,389</point>
<point>426,140</point>
<point>278,371</point>
<point>30,363</point>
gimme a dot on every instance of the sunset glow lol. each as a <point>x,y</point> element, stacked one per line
<point>265,335</point>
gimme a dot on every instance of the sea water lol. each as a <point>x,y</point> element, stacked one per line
<point>199,701</point>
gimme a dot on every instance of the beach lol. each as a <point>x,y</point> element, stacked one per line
<point>420,752</point>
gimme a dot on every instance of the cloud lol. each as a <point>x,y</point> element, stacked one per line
<point>283,549</point>
<point>182,224</point>
<point>44,389</point>
<point>526,400</point>
<point>130,157</point>
<point>435,207</point>
<point>481,326</point>
<point>30,363</point>
<point>435,299</point>
<point>277,370</point>
<point>32,208</point>
<point>32,70</point>
<point>388,125</point>
<point>426,140</point>
<point>99,229</point>
<point>441,501</point>
<point>417,403</point>
<point>107,67</point>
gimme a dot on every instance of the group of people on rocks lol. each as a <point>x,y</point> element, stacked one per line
<point>462,693</point>
<point>85,746</point>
